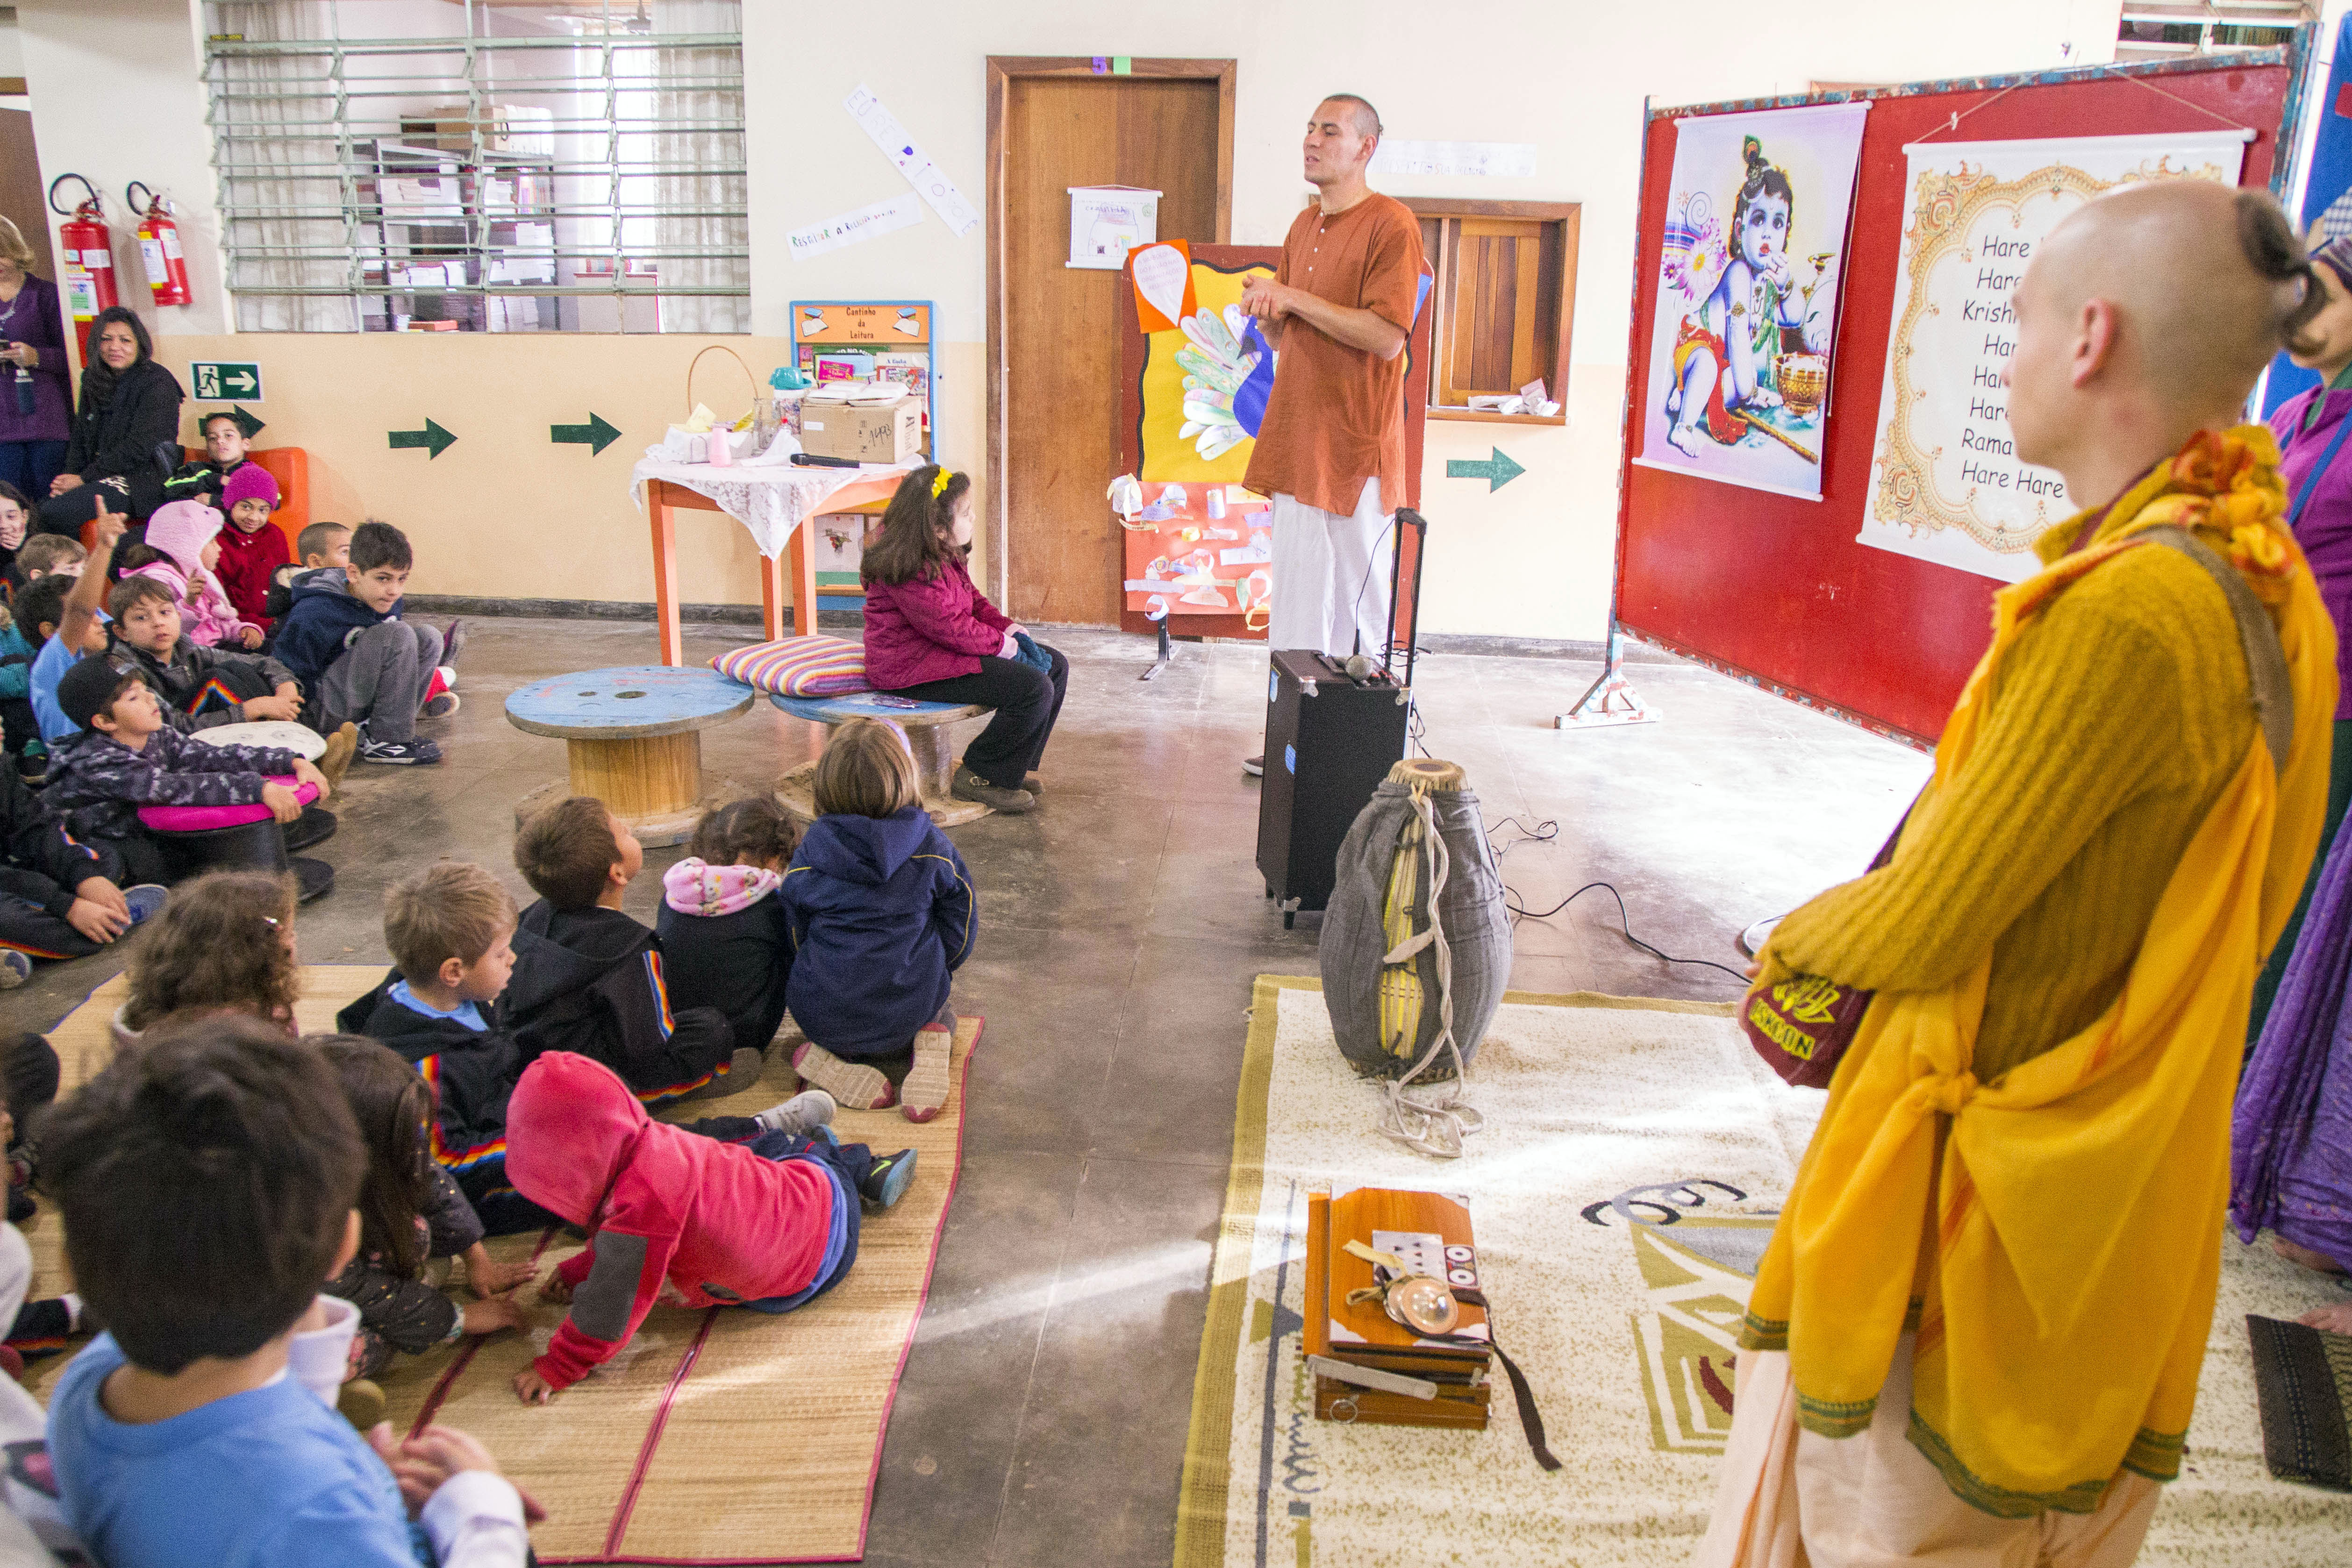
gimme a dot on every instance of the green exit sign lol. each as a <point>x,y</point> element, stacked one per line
<point>218,378</point>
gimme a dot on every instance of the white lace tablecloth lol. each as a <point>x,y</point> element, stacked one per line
<point>771,500</point>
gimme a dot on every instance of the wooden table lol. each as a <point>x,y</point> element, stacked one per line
<point>925,726</point>
<point>632,735</point>
<point>665,500</point>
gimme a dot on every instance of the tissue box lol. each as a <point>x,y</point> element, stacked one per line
<point>890,434</point>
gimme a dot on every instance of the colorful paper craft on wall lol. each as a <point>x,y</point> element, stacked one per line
<point>1200,545</point>
<point>1747,287</point>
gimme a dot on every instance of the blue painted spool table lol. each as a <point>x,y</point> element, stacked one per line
<point>927,735</point>
<point>634,739</point>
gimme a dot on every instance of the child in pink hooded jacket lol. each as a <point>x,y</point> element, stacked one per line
<point>185,537</point>
<point>731,1211</point>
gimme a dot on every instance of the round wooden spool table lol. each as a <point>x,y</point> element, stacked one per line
<point>633,736</point>
<point>926,727</point>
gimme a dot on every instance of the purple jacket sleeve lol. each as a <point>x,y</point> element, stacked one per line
<point>932,613</point>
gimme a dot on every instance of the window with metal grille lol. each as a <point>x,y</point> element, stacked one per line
<point>481,165</point>
<point>2160,31</point>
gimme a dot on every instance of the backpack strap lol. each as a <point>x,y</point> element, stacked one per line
<point>2266,671</point>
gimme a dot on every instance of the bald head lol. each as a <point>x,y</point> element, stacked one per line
<point>2205,281</point>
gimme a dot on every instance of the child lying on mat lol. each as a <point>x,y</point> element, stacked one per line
<point>750,1211</point>
<point>178,1437</point>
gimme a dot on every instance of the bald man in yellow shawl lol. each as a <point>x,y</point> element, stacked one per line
<point>1976,1335</point>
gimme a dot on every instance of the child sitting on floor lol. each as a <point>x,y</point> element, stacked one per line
<point>176,1437</point>
<point>930,635</point>
<point>324,547</point>
<point>19,730</point>
<point>589,978</point>
<point>49,555</point>
<point>359,662</point>
<point>15,516</point>
<point>409,1212</point>
<point>721,931</point>
<point>57,900</point>
<point>83,628</point>
<point>225,943</point>
<point>200,687</point>
<point>451,931</point>
<point>252,547</point>
<point>755,1211</point>
<point>185,538</point>
<point>881,913</point>
<point>123,755</point>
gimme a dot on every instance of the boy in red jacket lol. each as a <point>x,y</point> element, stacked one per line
<point>731,1211</point>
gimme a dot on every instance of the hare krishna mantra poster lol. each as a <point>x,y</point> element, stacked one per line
<point>1744,339</point>
<point>1947,485</point>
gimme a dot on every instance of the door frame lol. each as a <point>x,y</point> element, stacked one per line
<point>1002,71</point>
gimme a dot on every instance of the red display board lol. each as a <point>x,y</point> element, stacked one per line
<point>1776,591</point>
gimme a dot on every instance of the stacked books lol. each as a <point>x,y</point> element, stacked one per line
<point>1368,1366</point>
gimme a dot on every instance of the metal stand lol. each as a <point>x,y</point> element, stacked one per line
<point>1406,517</point>
<point>1610,699</point>
<point>1167,652</point>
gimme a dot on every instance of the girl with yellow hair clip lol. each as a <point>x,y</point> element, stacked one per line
<point>931,635</point>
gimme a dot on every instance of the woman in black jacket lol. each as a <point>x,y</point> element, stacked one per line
<point>129,408</point>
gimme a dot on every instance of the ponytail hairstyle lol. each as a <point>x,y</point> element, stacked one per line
<point>1763,179</point>
<point>392,1105</point>
<point>2275,253</point>
<point>914,542</point>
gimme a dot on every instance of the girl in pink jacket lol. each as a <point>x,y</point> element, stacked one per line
<point>185,538</point>
<point>731,1211</point>
<point>930,634</point>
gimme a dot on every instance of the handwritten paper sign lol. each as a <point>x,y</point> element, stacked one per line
<point>1948,485</point>
<point>848,228</point>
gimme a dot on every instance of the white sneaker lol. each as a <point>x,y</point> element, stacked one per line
<point>15,969</point>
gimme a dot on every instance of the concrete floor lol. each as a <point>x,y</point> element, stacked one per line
<point>1046,1399</point>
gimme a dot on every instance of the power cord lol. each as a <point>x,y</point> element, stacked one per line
<point>1544,833</point>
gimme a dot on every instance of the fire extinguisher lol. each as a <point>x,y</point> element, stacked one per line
<point>88,262</point>
<point>159,245</point>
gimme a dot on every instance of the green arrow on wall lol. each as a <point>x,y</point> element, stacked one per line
<point>433,438</point>
<point>245,422</point>
<point>1498,470</point>
<point>595,434</point>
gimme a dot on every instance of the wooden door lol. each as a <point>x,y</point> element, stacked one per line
<point>20,187</point>
<point>1056,352</point>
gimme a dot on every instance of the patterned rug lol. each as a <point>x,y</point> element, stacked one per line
<point>715,1436</point>
<point>1626,1181</point>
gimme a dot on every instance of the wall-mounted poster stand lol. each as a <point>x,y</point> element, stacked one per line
<point>1778,590</point>
<point>880,341</point>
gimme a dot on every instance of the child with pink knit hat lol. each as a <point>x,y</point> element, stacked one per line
<point>252,547</point>
<point>185,538</point>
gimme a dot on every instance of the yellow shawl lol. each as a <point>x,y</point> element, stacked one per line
<point>2064,1281</point>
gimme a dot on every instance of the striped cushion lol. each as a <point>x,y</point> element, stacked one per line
<point>798,666</point>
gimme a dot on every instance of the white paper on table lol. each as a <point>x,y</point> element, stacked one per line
<point>1395,156</point>
<point>930,181</point>
<point>848,228</point>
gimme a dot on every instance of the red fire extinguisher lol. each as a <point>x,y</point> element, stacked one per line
<point>87,258</point>
<point>159,245</point>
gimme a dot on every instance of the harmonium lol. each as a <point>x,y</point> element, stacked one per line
<point>1387,1339</point>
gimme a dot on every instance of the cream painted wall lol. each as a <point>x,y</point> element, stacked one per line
<point>1531,560</point>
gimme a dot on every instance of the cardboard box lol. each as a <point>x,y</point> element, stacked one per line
<point>890,434</point>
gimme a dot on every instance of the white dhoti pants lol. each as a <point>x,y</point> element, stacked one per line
<point>1331,576</point>
<point>1788,1498</point>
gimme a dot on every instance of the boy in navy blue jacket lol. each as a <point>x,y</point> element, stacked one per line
<point>880,912</point>
<point>359,662</point>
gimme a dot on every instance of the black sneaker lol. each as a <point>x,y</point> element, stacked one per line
<point>398,753</point>
<point>888,1182</point>
<point>1254,766</point>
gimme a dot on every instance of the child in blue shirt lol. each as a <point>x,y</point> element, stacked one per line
<point>207,1182</point>
<point>83,630</point>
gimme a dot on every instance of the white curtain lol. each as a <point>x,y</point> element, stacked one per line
<point>264,135</point>
<point>683,99</point>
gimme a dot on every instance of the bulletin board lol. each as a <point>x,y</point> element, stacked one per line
<point>1776,590</point>
<point>1218,270</point>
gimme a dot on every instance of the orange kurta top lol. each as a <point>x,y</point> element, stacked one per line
<point>1335,417</point>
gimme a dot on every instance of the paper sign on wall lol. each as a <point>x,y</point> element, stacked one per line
<point>848,228</point>
<point>1108,220</point>
<point>1163,284</point>
<point>1949,486</point>
<point>930,181</point>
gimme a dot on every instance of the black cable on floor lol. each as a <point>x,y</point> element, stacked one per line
<point>1510,902</point>
<point>1543,832</point>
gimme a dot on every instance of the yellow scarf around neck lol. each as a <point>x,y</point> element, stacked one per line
<point>2062,1282</point>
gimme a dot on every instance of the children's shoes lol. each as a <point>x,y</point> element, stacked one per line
<point>853,1085</point>
<point>888,1182</point>
<point>926,1088</point>
<point>800,1115</point>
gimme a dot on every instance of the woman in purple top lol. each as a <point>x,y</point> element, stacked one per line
<point>2291,1154</point>
<point>33,399</point>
